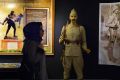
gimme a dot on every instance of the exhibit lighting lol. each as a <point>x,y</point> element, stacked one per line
<point>11,5</point>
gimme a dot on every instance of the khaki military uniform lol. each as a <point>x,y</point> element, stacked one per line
<point>113,24</point>
<point>73,53</point>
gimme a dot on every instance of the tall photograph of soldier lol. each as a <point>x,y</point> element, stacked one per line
<point>73,37</point>
<point>109,42</point>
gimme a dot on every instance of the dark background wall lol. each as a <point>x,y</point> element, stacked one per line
<point>88,16</point>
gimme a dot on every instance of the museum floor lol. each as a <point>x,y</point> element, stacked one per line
<point>9,69</point>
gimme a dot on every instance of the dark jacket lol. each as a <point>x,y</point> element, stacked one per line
<point>33,64</point>
<point>31,52</point>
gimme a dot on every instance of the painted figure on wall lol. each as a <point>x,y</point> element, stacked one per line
<point>73,36</point>
<point>18,19</point>
<point>11,23</point>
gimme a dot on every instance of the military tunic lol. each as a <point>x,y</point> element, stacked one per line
<point>73,53</point>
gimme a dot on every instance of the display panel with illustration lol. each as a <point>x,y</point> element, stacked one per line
<point>41,15</point>
<point>109,34</point>
<point>11,26</point>
<point>15,14</point>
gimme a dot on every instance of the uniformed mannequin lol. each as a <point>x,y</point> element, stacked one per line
<point>113,25</point>
<point>74,38</point>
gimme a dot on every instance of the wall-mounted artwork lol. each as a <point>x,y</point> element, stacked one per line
<point>41,15</point>
<point>109,33</point>
<point>38,15</point>
<point>15,14</point>
<point>11,26</point>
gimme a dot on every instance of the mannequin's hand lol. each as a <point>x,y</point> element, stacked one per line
<point>87,51</point>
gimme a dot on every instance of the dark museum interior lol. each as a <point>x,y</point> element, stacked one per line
<point>88,16</point>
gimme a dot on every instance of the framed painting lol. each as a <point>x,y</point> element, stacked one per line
<point>11,41</point>
<point>42,15</point>
<point>11,36</point>
<point>11,26</point>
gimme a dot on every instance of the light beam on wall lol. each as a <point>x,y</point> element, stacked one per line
<point>11,5</point>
